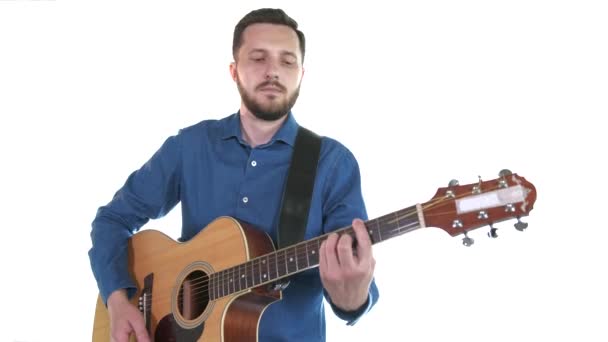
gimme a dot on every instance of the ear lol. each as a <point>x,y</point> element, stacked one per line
<point>233,71</point>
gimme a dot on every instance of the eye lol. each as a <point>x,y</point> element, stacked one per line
<point>258,59</point>
<point>289,62</point>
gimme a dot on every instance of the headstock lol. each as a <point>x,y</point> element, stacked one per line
<point>458,209</point>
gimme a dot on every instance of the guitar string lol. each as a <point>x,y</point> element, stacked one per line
<point>227,284</point>
<point>226,287</point>
<point>230,280</point>
<point>199,288</point>
<point>303,254</point>
<point>229,276</point>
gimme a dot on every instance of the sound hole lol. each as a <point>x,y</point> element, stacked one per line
<point>193,295</point>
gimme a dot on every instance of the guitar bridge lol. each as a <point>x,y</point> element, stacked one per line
<point>145,301</point>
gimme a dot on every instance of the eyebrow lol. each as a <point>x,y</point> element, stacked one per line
<point>283,52</point>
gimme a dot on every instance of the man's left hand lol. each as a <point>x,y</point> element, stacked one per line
<point>346,273</point>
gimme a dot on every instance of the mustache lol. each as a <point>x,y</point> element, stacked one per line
<point>272,84</point>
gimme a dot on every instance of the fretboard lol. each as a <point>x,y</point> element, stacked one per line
<point>285,262</point>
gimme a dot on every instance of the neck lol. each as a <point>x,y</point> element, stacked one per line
<point>296,258</point>
<point>257,131</point>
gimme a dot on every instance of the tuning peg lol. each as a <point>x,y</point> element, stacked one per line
<point>453,182</point>
<point>505,173</point>
<point>477,188</point>
<point>520,225</point>
<point>492,233</point>
<point>467,241</point>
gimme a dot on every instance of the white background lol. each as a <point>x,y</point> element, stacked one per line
<point>421,92</point>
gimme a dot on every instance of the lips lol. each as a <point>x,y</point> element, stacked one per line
<point>271,90</point>
<point>271,87</point>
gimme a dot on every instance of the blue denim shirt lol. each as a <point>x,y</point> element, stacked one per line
<point>213,172</point>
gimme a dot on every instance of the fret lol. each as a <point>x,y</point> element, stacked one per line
<point>210,287</point>
<point>260,270</point>
<point>232,280</point>
<point>225,284</point>
<point>389,227</point>
<point>313,252</point>
<point>245,279</point>
<point>217,285</point>
<point>378,229</point>
<point>255,272</point>
<point>286,261</point>
<point>273,268</point>
<point>400,223</point>
<point>411,221</point>
<point>241,278</point>
<point>220,280</point>
<point>281,263</point>
<point>301,259</point>
<point>292,261</point>
<point>408,219</point>
<point>216,292</point>
<point>249,274</point>
<point>264,269</point>
<point>295,254</point>
<point>306,254</point>
<point>374,233</point>
<point>227,281</point>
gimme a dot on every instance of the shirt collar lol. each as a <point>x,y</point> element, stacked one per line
<point>287,133</point>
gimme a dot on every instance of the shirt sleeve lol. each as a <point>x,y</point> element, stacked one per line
<point>343,203</point>
<point>150,192</point>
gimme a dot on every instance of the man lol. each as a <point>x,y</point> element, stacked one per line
<point>237,166</point>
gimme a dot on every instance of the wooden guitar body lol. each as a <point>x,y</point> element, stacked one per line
<point>173,285</point>
<point>215,287</point>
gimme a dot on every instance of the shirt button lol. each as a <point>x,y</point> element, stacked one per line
<point>245,199</point>
<point>254,163</point>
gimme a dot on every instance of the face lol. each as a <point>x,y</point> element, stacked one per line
<point>268,70</point>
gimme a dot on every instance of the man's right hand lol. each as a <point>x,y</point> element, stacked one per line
<point>125,319</point>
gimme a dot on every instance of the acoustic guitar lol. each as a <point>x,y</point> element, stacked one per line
<point>216,286</point>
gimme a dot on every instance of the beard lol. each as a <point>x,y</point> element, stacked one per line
<point>272,111</point>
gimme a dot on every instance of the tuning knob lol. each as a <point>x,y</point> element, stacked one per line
<point>492,233</point>
<point>505,173</point>
<point>467,241</point>
<point>453,182</point>
<point>520,225</point>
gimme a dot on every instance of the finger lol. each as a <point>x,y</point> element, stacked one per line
<point>138,325</point>
<point>364,244</point>
<point>322,259</point>
<point>141,334</point>
<point>345,252</point>
<point>121,335</point>
<point>330,253</point>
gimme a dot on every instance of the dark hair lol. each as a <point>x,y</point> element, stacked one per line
<point>265,16</point>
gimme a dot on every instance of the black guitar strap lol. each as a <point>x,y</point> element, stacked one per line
<point>298,189</point>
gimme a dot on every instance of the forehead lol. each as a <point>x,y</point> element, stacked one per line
<point>270,37</point>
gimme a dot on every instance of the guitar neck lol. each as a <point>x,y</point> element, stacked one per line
<point>305,255</point>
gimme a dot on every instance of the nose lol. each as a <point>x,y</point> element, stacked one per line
<point>272,76</point>
<point>272,73</point>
